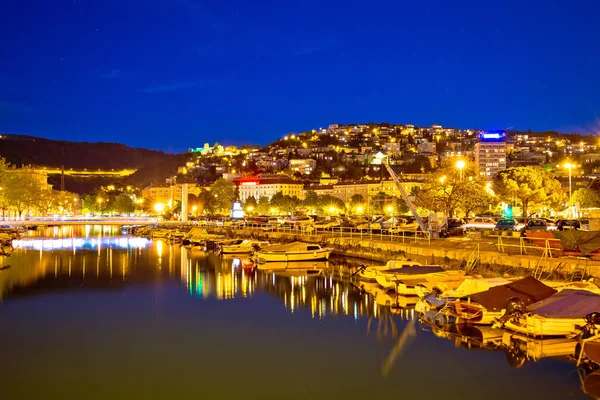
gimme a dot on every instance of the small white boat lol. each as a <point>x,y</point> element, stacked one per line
<point>562,314</point>
<point>406,278</point>
<point>368,273</point>
<point>484,308</point>
<point>198,236</point>
<point>243,246</point>
<point>160,233</point>
<point>297,251</point>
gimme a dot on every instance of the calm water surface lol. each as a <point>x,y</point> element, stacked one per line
<point>88,313</point>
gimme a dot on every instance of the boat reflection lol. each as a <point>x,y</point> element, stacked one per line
<point>80,243</point>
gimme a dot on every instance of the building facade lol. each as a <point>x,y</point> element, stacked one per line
<point>304,166</point>
<point>267,186</point>
<point>490,153</point>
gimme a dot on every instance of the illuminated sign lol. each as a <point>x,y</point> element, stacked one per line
<point>237,211</point>
<point>496,136</point>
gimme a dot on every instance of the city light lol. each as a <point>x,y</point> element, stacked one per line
<point>460,164</point>
<point>359,209</point>
<point>570,166</point>
<point>159,207</point>
<point>443,179</point>
<point>250,208</point>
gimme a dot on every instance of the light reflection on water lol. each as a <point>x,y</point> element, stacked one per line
<point>77,282</point>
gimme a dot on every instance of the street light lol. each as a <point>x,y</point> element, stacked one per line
<point>442,179</point>
<point>570,166</point>
<point>359,209</point>
<point>460,164</point>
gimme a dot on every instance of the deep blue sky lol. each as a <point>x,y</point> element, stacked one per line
<point>174,74</point>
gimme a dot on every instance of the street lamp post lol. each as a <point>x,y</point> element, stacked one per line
<point>569,166</point>
<point>460,164</point>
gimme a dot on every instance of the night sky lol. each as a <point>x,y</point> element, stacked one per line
<point>174,74</point>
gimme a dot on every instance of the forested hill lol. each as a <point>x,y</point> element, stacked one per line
<point>152,166</point>
<point>29,150</point>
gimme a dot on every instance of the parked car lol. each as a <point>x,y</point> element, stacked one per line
<point>564,224</point>
<point>508,224</point>
<point>480,223</point>
<point>538,224</point>
<point>455,227</point>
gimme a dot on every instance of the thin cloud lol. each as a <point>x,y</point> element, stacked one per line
<point>112,74</point>
<point>176,85</point>
<point>314,47</point>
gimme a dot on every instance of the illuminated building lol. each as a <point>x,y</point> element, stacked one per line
<point>304,166</point>
<point>490,153</point>
<point>267,186</point>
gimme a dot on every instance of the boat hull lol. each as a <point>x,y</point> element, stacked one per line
<point>309,255</point>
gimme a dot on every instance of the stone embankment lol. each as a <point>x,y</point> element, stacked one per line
<point>480,253</point>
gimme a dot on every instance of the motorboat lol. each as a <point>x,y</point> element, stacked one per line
<point>276,266</point>
<point>198,235</point>
<point>243,246</point>
<point>368,273</point>
<point>485,307</point>
<point>159,233</point>
<point>408,280</point>
<point>297,251</point>
<point>442,292</point>
<point>562,314</point>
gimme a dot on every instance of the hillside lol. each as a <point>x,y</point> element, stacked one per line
<point>152,166</point>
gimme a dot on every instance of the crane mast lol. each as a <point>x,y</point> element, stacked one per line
<point>411,206</point>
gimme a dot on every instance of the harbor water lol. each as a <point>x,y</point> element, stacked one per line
<point>88,313</point>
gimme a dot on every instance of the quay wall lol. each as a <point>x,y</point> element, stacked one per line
<point>440,251</point>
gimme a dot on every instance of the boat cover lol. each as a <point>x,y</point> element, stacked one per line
<point>585,241</point>
<point>568,303</point>
<point>528,289</point>
<point>288,247</point>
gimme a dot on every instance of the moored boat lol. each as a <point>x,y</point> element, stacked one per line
<point>243,246</point>
<point>484,307</point>
<point>197,236</point>
<point>562,314</point>
<point>368,273</point>
<point>297,251</point>
<point>406,279</point>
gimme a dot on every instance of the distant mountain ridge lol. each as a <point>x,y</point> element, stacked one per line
<point>152,166</point>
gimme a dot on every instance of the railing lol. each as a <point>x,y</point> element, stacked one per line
<point>410,236</point>
<point>525,243</point>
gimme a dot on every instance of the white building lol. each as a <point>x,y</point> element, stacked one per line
<point>490,153</point>
<point>425,146</point>
<point>267,186</point>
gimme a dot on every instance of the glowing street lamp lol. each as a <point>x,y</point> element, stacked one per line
<point>359,209</point>
<point>250,209</point>
<point>443,179</point>
<point>390,209</point>
<point>460,164</point>
<point>570,166</point>
<point>159,207</point>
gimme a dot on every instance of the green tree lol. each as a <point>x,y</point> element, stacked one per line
<point>263,206</point>
<point>251,202</point>
<point>532,186</point>
<point>122,204</point>
<point>586,198</point>
<point>357,199</point>
<point>23,189</point>
<point>223,192</point>
<point>449,191</point>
